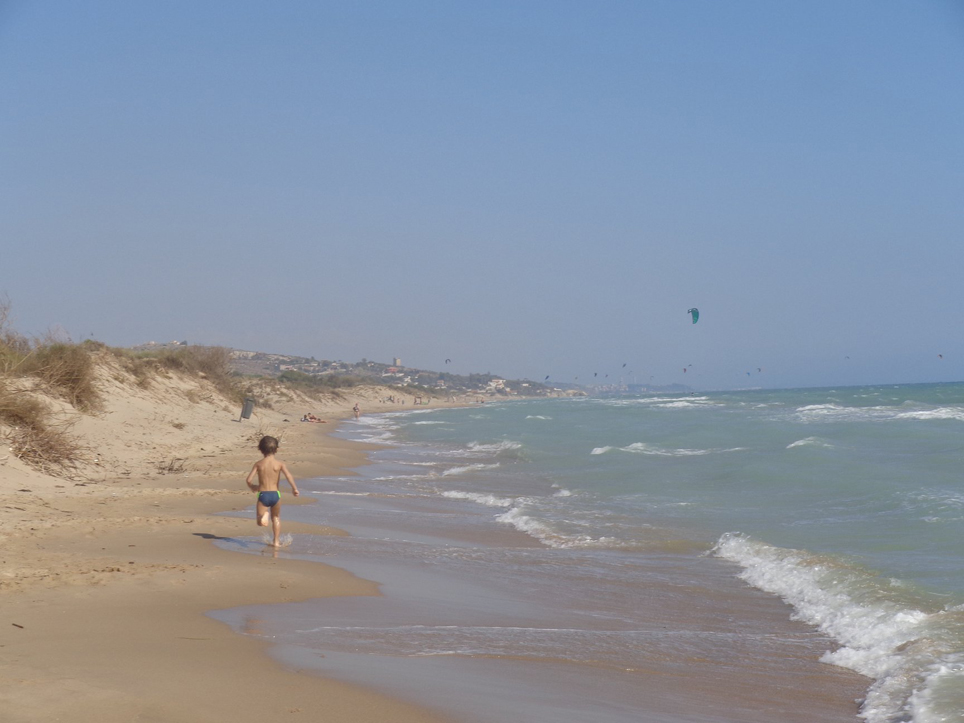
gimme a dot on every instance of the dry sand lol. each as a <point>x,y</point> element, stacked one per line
<point>105,577</point>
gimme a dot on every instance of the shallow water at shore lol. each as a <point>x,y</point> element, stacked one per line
<point>478,621</point>
<point>618,540</point>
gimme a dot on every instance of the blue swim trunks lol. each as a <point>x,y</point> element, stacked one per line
<point>269,499</point>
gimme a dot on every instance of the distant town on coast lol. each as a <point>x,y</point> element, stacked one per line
<point>322,372</point>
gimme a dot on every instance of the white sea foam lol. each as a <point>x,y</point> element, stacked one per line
<point>907,411</point>
<point>482,499</point>
<point>284,540</point>
<point>385,437</point>
<point>531,526</point>
<point>468,468</point>
<point>546,534</point>
<point>656,450</point>
<point>879,636</point>
<point>430,422</point>
<point>502,446</point>
<point>810,442</point>
<point>940,413</point>
<point>643,448</point>
<point>662,402</point>
<point>934,701</point>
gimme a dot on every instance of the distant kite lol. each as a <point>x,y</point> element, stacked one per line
<point>546,379</point>
<point>695,312</point>
<point>595,374</point>
<point>684,370</point>
<point>624,366</point>
<point>448,361</point>
<point>940,356</point>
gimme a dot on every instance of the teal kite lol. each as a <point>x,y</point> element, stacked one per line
<point>695,312</point>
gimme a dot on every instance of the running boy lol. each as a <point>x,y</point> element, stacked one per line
<point>269,471</point>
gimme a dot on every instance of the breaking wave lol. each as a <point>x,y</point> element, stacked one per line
<point>907,411</point>
<point>482,499</point>
<point>810,442</point>
<point>911,647</point>
<point>468,468</point>
<point>656,450</point>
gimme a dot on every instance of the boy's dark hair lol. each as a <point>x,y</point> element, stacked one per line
<point>268,445</point>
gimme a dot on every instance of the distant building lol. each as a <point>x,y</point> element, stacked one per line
<point>396,361</point>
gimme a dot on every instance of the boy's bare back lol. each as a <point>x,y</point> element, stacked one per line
<point>269,471</point>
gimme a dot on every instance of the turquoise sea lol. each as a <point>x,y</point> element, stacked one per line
<point>751,547</point>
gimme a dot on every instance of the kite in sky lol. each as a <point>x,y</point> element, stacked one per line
<point>695,312</point>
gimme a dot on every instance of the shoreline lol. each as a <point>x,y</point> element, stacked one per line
<point>106,589</point>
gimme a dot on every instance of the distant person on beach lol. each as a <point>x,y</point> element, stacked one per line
<point>268,471</point>
<point>357,410</point>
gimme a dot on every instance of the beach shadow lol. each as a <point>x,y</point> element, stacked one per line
<point>237,542</point>
<point>209,536</point>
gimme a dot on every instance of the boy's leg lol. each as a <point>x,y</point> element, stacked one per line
<point>276,522</point>
<point>261,514</point>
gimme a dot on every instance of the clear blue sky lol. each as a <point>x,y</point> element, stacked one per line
<point>527,188</point>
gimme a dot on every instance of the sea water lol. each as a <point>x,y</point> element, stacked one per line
<point>590,540</point>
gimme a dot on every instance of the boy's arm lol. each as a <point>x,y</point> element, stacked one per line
<point>291,480</point>
<point>251,475</point>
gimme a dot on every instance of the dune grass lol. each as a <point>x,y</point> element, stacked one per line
<point>35,369</point>
<point>208,362</point>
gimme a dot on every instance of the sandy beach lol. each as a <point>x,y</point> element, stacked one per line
<point>105,577</point>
